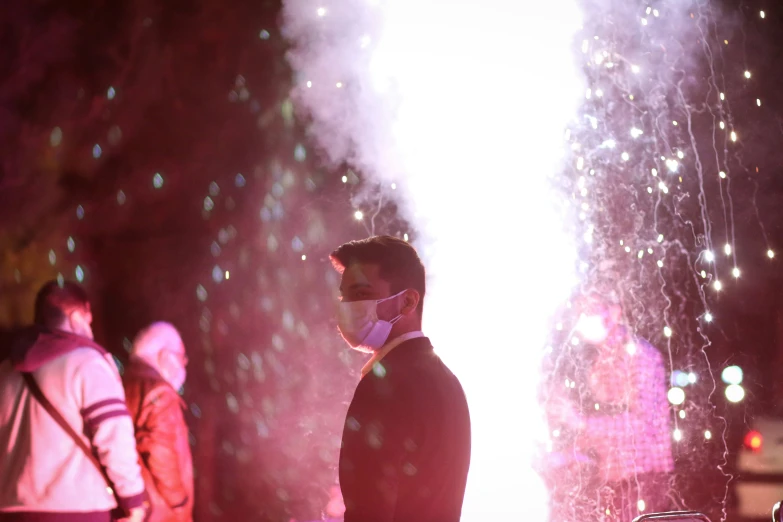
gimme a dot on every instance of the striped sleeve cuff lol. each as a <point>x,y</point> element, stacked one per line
<point>100,411</point>
<point>134,501</point>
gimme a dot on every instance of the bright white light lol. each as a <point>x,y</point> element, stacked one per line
<point>732,375</point>
<point>682,414</point>
<point>770,254</point>
<point>397,122</point>
<point>677,435</point>
<point>735,272</point>
<point>679,379</point>
<point>707,434</point>
<point>722,174</point>
<point>641,506</point>
<point>718,285</point>
<point>709,256</point>
<point>321,11</point>
<point>635,133</point>
<point>735,393</point>
<point>708,317</point>
<point>692,377</point>
<point>358,215</point>
<point>667,331</point>
<point>727,249</point>
<point>747,74</point>
<point>676,395</point>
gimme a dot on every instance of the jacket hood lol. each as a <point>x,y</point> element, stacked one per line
<point>35,346</point>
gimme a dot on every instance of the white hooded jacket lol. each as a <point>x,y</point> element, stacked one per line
<point>42,470</point>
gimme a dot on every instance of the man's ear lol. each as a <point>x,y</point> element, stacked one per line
<point>410,301</point>
<point>75,316</point>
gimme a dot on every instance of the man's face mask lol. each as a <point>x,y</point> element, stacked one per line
<point>359,324</point>
<point>173,367</point>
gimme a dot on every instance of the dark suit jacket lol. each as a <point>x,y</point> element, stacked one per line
<point>406,442</point>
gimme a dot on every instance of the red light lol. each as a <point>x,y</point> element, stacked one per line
<point>753,441</point>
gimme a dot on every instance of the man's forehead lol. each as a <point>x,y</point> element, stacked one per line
<point>360,274</point>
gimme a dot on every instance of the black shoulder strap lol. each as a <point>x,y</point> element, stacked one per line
<point>58,418</point>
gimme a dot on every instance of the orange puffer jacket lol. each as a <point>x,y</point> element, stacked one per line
<point>162,442</point>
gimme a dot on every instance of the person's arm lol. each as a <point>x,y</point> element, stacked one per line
<point>109,427</point>
<point>157,444</point>
<point>373,455</point>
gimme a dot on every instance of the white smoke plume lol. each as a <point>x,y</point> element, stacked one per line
<point>457,109</point>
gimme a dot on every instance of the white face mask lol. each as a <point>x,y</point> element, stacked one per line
<point>359,324</point>
<point>178,379</point>
<point>172,370</point>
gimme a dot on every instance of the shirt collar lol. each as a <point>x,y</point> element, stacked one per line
<point>388,347</point>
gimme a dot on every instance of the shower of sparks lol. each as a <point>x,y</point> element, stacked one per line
<point>627,48</point>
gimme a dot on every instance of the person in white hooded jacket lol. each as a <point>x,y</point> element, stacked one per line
<point>45,476</point>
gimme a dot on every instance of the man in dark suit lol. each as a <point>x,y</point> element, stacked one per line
<point>406,442</point>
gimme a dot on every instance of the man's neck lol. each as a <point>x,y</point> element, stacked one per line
<point>401,329</point>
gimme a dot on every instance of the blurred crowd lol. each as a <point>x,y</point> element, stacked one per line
<point>81,443</point>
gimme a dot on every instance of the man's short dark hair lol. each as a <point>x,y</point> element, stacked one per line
<point>56,301</point>
<point>398,262</point>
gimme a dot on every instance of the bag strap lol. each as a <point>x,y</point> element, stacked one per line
<point>35,390</point>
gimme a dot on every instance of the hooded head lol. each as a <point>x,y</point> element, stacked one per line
<point>161,346</point>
